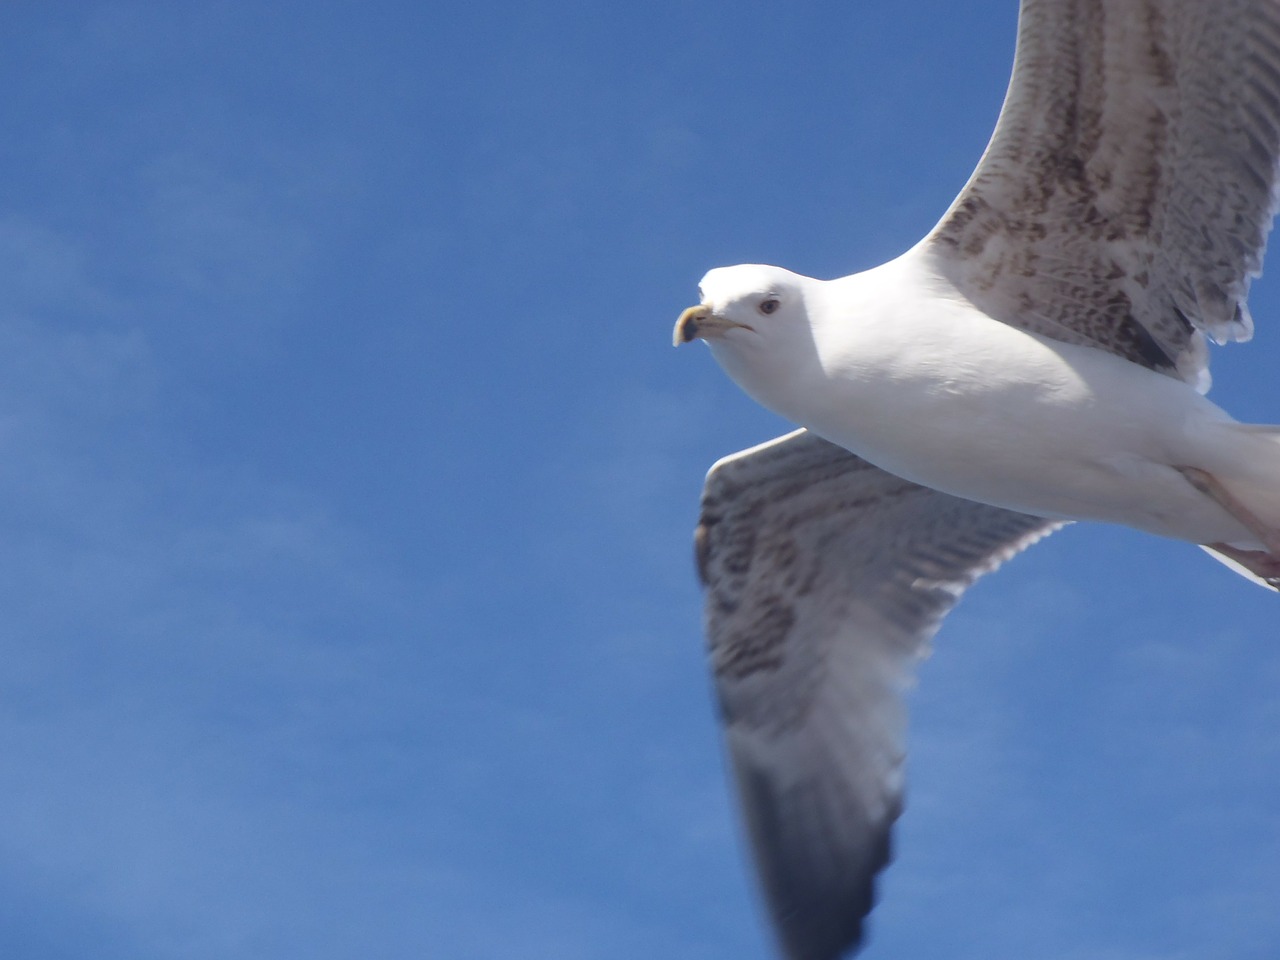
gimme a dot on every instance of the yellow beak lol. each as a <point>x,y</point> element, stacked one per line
<point>699,323</point>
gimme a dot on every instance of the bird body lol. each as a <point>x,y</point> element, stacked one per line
<point>895,365</point>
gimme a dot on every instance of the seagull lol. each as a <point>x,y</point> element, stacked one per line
<point>1039,358</point>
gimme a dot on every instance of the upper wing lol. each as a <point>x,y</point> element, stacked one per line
<point>825,579</point>
<point>1126,195</point>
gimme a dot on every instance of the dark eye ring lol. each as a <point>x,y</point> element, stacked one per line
<point>768,305</point>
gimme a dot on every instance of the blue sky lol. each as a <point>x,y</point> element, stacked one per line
<point>347,479</point>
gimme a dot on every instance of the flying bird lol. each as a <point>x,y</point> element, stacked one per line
<point>1039,358</point>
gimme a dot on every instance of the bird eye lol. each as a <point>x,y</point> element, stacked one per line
<point>768,305</point>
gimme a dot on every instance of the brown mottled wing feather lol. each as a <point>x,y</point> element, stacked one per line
<point>1126,195</point>
<point>825,579</point>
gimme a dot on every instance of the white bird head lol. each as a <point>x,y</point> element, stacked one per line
<point>746,304</point>
<point>757,323</point>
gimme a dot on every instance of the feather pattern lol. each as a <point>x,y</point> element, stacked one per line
<point>1126,195</point>
<point>825,578</point>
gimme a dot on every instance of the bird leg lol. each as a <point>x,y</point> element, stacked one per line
<point>1264,564</point>
<point>1267,535</point>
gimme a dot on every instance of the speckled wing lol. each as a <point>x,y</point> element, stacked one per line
<point>825,579</point>
<point>1126,195</point>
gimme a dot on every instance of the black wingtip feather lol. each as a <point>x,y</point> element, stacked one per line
<point>819,896</point>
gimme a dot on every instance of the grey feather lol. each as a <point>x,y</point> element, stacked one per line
<point>1125,197</point>
<point>825,579</point>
